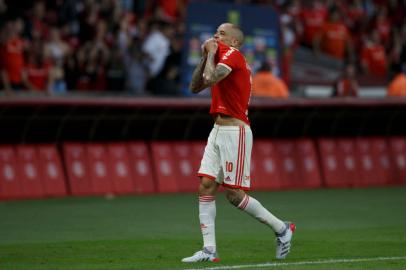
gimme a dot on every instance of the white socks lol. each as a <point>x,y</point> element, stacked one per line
<point>207,216</point>
<point>256,210</point>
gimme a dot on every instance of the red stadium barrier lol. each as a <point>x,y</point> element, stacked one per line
<point>197,155</point>
<point>287,162</point>
<point>119,162</point>
<point>349,161</point>
<point>31,175</point>
<point>331,168</point>
<point>10,182</point>
<point>141,167</point>
<point>76,167</point>
<point>185,166</point>
<point>265,173</point>
<point>51,167</point>
<point>165,167</point>
<point>397,146</point>
<point>371,171</point>
<point>308,164</point>
<point>381,150</point>
<point>98,168</point>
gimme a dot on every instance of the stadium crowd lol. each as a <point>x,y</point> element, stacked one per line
<point>134,46</point>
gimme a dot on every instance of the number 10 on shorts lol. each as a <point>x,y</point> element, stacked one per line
<point>229,166</point>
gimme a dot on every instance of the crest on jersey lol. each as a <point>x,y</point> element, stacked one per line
<point>228,53</point>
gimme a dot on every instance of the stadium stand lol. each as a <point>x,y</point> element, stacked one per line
<point>54,47</point>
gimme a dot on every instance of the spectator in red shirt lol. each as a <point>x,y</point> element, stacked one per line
<point>346,85</point>
<point>383,25</point>
<point>373,56</point>
<point>37,25</point>
<point>313,17</point>
<point>334,38</point>
<point>12,57</point>
<point>354,17</point>
<point>37,74</point>
<point>171,10</point>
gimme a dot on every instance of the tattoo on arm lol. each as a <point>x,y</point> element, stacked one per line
<point>196,85</point>
<point>212,73</point>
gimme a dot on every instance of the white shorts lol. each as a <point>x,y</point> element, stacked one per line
<point>227,156</point>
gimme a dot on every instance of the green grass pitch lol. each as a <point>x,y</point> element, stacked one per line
<point>345,226</point>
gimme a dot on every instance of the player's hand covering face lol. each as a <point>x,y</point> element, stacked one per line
<point>210,45</point>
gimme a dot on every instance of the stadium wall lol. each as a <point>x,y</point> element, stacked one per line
<point>52,147</point>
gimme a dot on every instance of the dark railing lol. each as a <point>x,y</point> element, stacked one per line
<point>90,119</point>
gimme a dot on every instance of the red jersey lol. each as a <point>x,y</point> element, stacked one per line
<point>38,75</point>
<point>13,59</point>
<point>231,95</point>
<point>373,56</point>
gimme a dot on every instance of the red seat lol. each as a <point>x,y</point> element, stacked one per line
<point>51,167</point>
<point>371,173</point>
<point>330,165</point>
<point>119,163</point>
<point>349,160</point>
<point>197,155</point>
<point>31,175</point>
<point>287,162</point>
<point>184,166</point>
<point>141,167</point>
<point>99,169</point>
<point>76,167</point>
<point>308,164</point>
<point>165,167</point>
<point>10,181</point>
<point>380,149</point>
<point>265,173</point>
<point>397,146</point>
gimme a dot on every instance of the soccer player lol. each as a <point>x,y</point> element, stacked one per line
<point>227,156</point>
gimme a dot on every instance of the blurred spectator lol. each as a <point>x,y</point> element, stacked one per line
<point>115,71</point>
<point>92,59</point>
<point>12,56</point>
<point>313,17</point>
<point>167,83</point>
<point>373,56</point>
<point>137,72</point>
<point>265,84</point>
<point>291,29</point>
<point>334,38</point>
<point>89,18</point>
<point>397,86</point>
<point>37,25</point>
<point>397,55</point>
<point>37,73</point>
<point>170,10</point>
<point>56,48</point>
<point>3,13</point>
<point>354,19</point>
<point>382,24</point>
<point>71,71</point>
<point>157,45</point>
<point>346,85</point>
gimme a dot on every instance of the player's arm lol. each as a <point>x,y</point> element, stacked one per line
<point>214,73</point>
<point>196,85</point>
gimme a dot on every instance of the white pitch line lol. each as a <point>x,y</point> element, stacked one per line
<point>330,261</point>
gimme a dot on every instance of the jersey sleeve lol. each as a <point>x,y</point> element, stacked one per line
<point>229,57</point>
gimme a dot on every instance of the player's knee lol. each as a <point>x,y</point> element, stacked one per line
<point>207,186</point>
<point>234,196</point>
